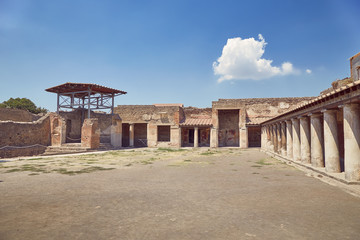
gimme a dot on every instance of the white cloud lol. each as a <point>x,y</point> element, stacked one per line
<point>308,71</point>
<point>242,59</point>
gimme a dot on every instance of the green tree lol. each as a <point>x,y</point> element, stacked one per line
<point>23,103</point>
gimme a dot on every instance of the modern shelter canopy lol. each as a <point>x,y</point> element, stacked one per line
<point>85,95</point>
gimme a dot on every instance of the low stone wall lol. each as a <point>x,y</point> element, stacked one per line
<point>17,115</point>
<point>24,138</point>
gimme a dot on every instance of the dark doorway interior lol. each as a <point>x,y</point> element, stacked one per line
<point>125,135</point>
<point>254,136</point>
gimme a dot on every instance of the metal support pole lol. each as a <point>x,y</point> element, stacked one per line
<point>112,105</point>
<point>89,104</point>
<point>58,102</point>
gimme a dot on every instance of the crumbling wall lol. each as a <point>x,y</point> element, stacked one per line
<point>336,85</point>
<point>261,109</point>
<point>74,121</point>
<point>153,116</point>
<point>24,138</point>
<point>149,113</point>
<point>17,115</point>
<point>355,67</point>
<point>197,113</point>
<point>228,128</point>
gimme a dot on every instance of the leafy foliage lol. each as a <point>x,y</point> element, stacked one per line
<point>22,103</point>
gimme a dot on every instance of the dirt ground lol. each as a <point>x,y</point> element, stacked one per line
<point>170,194</point>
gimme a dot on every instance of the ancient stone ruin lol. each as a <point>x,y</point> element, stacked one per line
<point>322,131</point>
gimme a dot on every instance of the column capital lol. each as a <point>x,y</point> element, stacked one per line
<point>351,105</point>
<point>315,115</point>
<point>329,110</point>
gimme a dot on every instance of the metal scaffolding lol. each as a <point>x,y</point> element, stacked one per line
<point>85,96</point>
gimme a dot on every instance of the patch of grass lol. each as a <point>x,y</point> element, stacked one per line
<point>84,170</point>
<point>257,166</point>
<point>207,153</point>
<point>13,170</point>
<point>35,159</point>
<point>29,168</point>
<point>128,165</point>
<point>255,173</point>
<point>171,149</point>
<point>187,160</point>
<point>263,163</point>
<point>33,174</point>
<point>174,165</point>
<point>234,170</point>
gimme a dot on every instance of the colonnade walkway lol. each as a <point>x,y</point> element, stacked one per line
<point>323,134</point>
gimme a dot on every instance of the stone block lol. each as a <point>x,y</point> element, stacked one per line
<point>90,133</point>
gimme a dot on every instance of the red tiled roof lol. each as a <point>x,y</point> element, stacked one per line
<point>79,87</point>
<point>197,122</point>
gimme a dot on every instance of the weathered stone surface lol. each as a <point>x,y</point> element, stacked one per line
<point>17,115</point>
<point>90,134</point>
<point>22,136</point>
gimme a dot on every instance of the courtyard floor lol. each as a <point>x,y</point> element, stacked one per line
<point>225,193</point>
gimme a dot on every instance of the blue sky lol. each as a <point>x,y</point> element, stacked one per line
<point>165,51</point>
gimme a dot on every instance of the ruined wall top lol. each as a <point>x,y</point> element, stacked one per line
<point>150,113</point>
<point>261,109</point>
<point>355,67</point>
<point>17,115</point>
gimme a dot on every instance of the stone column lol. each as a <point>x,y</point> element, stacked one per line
<point>243,131</point>
<point>271,144</point>
<point>289,140</point>
<point>268,138</point>
<point>274,138</point>
<point>132,134</point>
<point>214,132</point>
<point>296,139</point>
<point>278,135</point>
<point>352,142</point>
<point>116,131</point>
<point>305,139</point>
<point>196,137</point>
<point>283,139</point>
<point>317,140</point>
<point>331,141</point>
<point>90,133</point>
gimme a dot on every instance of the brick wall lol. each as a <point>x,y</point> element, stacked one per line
<point>22,134</point>
<point>17,115</point>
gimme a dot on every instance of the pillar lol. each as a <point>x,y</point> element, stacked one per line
<point>196,137</point>
<point>289,140</point>
<point>283,139</point>
<point>214,132</point>
<point>268,138</point>
<point>352,142</point>
<point>132,135</point>
<point>116,131</point>
<point>296,139</point>
<point>90,133</point>
<point>305,139</point>
<point>274,138</point>
<point>271,143</point>
<point>317,140</point>
<point>331,141</point>
<point>278,135</point>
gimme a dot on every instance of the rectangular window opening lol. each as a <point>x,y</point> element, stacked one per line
<point>164,133</point>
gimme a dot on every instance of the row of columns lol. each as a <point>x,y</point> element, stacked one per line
<point>314,139</point>
<point>132,135</point>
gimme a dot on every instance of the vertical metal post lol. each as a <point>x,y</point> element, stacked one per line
<point>72,101</point>
<point>89,104</point>
<point>112,105</point>
<point>58,102</point>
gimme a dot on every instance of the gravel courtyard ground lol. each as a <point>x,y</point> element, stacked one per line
<point>170,194</point>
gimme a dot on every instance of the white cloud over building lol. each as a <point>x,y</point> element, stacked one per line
<point>242,59</point>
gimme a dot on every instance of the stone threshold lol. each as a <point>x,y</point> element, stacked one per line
<point>336,176</point>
